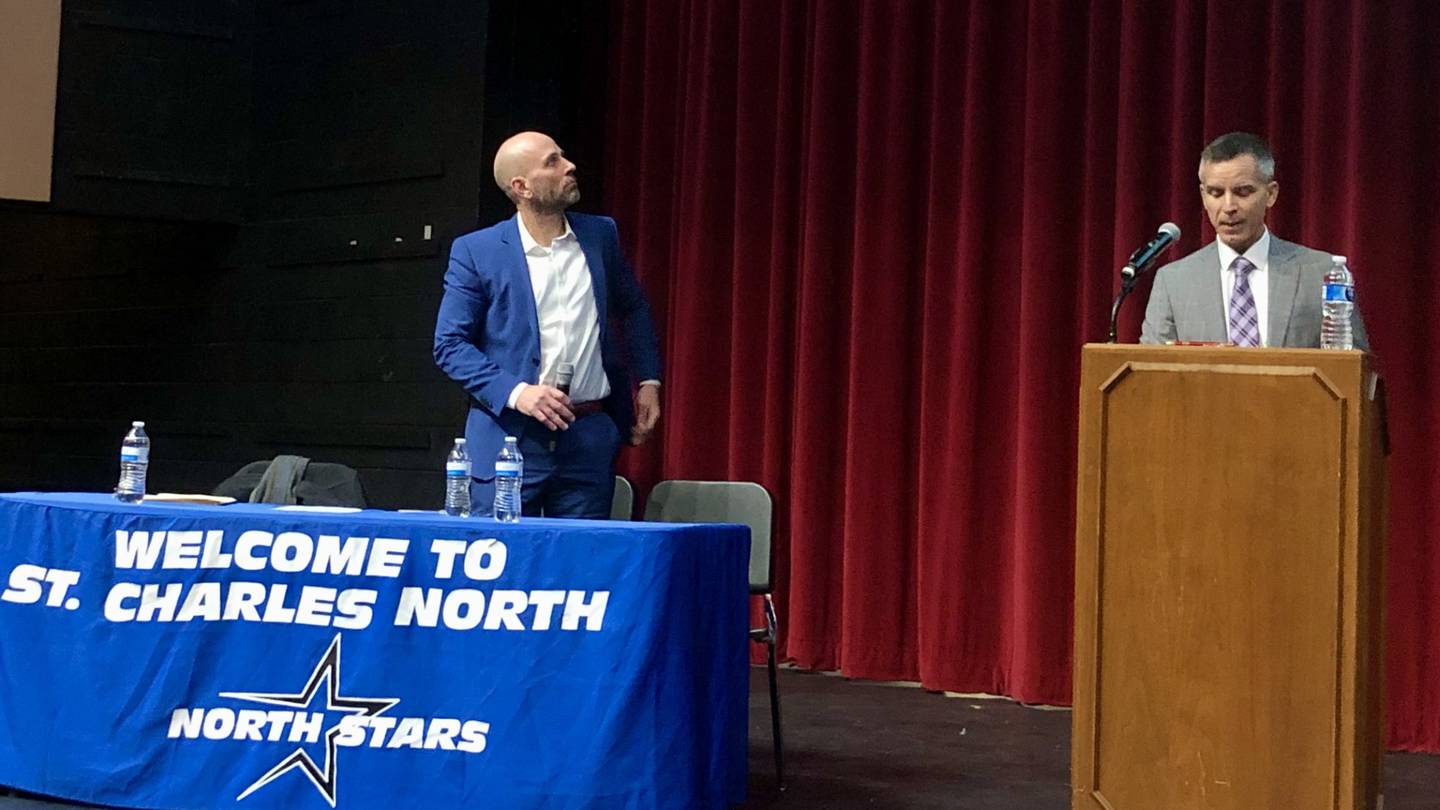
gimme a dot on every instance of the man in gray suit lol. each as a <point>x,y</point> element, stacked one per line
<point>1248,287</point>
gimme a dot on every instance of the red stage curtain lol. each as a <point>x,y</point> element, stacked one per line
<point>878,232</point>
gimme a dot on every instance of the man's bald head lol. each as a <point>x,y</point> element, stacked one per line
<point>531,169</point>
<point>517,154</point>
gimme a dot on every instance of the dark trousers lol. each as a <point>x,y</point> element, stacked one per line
<point>568,473</point>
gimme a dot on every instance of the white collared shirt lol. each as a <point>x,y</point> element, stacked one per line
<point>1258,255</point>
<point>565,310</point>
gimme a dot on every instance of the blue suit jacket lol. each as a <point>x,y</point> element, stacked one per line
<point>487,336</point>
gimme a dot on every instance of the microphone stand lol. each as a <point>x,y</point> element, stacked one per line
<point>1127,284</point>
<point>1139,262</point>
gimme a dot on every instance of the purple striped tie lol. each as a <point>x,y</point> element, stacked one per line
<point>1244,322</point>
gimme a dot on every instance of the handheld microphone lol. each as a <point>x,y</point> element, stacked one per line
<point>1141,259</point>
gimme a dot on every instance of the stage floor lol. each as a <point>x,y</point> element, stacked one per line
<point>860,744</point>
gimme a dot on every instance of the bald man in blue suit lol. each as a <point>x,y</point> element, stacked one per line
<point>531,303</point>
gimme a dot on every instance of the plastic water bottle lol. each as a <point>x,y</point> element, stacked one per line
<point>134,460</point>
<point>1336,309</point>
<point>457,481</point>
<point>509,473</point>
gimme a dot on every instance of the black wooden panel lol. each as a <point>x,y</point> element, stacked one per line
<point>112,280</point>
<point>56,251</point>
<point>153,108</point>
<point>347,239</point>
<point>108,156</point>
<point>400,489</point>
<point>562,94</point>
<point>391,317</point>
<point>333,403</point>
<point>417,448</point>
<point>359,361</point>
<point>211,20</point>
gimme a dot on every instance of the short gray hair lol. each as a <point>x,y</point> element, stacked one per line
<point>1232,145</point>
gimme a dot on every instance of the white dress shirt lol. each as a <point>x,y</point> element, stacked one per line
<point>565,309</point>
<point>1258,255</point>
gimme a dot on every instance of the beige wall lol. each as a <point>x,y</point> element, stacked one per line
<point>29,61</point>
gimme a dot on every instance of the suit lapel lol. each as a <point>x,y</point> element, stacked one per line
<point>519,271</point>
<point>1284,283</point>
<point>594,260</point>
<point>1210,294</point>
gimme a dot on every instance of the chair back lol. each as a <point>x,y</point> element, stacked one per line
<point>622,505</point>
<point>742,502</point>
<point>319,483</point>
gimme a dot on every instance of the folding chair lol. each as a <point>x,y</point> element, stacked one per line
<point>732,502</point>
<point>296,480</point>
<point>622,506</point>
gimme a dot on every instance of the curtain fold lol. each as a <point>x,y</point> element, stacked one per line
<point>877,233</point>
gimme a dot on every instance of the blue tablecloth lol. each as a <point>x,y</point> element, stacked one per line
<point>172,656</point>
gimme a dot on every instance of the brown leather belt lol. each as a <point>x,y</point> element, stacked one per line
<point>592,407</point>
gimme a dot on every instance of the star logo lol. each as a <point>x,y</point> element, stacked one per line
<point>327,671</point>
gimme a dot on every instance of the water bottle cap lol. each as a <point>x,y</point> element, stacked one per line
<point>1338,259</point>
<point>511,440</point>
<point>137,424</point>
<point>459,441</point>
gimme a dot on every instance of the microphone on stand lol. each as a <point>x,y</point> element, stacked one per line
<point>1140,261</point>
<point>1146,255</point>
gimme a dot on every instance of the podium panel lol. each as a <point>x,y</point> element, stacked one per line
<point>1227,613</point>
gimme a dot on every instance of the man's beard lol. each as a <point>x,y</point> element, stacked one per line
<point>558,202</point>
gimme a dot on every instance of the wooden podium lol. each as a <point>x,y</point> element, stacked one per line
<point>1229,562</point>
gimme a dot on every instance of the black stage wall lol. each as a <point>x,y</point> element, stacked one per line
<point>252,206</point>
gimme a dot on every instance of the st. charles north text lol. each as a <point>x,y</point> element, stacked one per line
<point>297,553</point>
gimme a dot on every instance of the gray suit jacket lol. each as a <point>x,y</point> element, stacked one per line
<point>1186,302</point>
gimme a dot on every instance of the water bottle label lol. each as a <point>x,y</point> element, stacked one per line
<point>1339,292</point>
<point>507,468</point>
<point>135,454</point>
<point>457,469</point>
